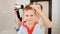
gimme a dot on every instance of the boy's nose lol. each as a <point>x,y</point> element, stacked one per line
<point>29,18</point>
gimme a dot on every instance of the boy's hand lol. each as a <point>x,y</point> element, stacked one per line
<point>14,10</point>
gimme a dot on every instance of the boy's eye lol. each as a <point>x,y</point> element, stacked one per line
<point>31,15</point>
<point>26,15</point>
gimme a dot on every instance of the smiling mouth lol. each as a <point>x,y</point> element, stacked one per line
<point>29,20</point>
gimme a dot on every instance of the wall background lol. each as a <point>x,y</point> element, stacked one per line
<point>55,16</point>
<point>7,19</point>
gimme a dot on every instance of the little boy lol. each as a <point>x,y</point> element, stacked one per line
<point>31,15</point>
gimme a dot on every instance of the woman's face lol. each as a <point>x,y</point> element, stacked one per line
<point>29,16</point>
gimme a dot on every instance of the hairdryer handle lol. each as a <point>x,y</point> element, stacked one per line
<point>18,15</point>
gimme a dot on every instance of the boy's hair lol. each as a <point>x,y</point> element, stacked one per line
<point>27,7</point>
<point>30,8</point>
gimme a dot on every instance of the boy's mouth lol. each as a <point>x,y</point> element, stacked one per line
<point>29,19</point>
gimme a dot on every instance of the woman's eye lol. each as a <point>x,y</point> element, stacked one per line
<point>26,15</point>
<point>31,15</point>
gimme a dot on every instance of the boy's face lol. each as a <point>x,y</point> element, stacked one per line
<point>29,15</point>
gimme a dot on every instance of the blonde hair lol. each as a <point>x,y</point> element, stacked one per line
<point>27,7</point>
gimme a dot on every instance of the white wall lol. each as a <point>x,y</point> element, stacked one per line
<point>7,24</point>
<point>58,17</point>
<point>55,17</point>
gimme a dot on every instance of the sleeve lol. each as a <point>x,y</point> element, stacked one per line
<point>42,26</point>
<point>22,30</point>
